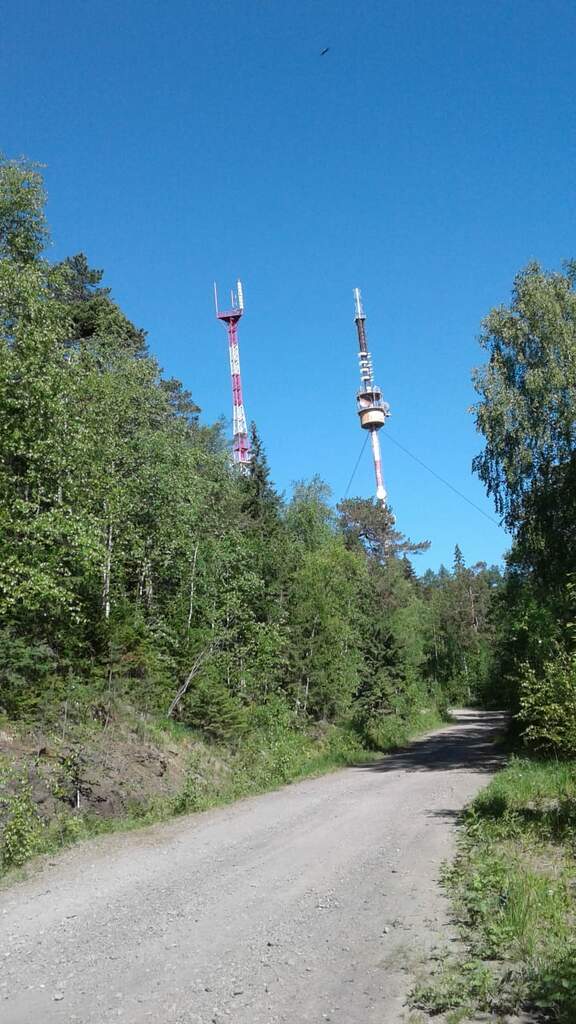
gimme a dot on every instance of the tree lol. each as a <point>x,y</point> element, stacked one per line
<point>326,650</point>
<point>371,525</point>
<point>309,517</point>
<point>261,503</point>
<point>23,230</point>
<point>527,414</point>
<point>527,411</point>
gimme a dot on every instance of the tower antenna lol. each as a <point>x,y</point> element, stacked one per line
<point>372,409</point>
<point>240,445</point>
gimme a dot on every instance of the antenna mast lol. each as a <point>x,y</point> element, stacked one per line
<point>372,409</point>
<point>241,444</point>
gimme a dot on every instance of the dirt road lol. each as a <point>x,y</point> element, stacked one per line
<point>303,905</point>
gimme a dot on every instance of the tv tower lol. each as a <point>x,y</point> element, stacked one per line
<point>241,445</point>
<point>372,409</point>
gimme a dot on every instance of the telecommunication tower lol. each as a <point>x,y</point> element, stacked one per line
<point>241,444</point>
<point>372,409</point>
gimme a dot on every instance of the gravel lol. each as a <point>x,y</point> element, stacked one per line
<point>308,904</point>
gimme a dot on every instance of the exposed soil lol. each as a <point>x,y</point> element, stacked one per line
<point>102,771</point>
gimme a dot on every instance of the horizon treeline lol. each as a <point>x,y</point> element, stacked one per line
<point>138,564</point>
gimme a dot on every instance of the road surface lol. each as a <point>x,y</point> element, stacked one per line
<point>308,904</point>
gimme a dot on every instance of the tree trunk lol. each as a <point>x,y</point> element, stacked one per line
<point>106,575</point>
<point>306,691</point>
<point>192,579</point>
<point>473,610</point>
<point>197,665</point>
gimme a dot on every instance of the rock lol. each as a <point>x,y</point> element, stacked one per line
<point>58,996</point>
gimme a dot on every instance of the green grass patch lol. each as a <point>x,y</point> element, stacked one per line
<point>513,887</point>
<point>458,990</point>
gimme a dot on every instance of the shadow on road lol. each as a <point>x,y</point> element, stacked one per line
<point>469,746</point>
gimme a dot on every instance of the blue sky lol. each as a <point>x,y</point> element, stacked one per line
<point>425,158</point>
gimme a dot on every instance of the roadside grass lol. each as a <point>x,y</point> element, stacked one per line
<point>271,753</point>
<point>513,887</point>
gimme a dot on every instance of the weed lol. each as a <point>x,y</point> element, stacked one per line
<point>553,985</point>
<point>460,988</point>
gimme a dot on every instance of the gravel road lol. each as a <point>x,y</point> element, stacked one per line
<point>308,904</point>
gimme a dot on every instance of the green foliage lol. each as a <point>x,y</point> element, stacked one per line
<point>274,748</point>
<point>462,987</point>
<point>326,654</point>
<point>535,796</point>
<point>27,669</point>
<point>548,704</point>
<point>138,567</point>
<point>527,414</point>
<point>393,731</point>
<point>21,835</point>
<point>553,986</point>
<point>211,708</point>
<point>23,231</point>
<point>461,628</point>
<point>513,887</point>
<point>505,901</point>
<point>368,524</point>
<point>527,411</point>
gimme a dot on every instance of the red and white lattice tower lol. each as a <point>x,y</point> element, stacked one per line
<point>372,410</point>
<point>241,444</point>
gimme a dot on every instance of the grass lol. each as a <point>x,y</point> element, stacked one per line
<point>272,753</point>
<point>513,887</point>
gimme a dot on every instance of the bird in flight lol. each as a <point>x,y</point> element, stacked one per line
<point>325,50</point>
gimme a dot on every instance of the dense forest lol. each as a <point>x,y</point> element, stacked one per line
<point>138,565</point>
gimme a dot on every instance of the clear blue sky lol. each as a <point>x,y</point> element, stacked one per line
<point>425,158</point>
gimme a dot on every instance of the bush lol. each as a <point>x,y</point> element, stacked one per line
<point>548,704</point>
<point>22,830</point>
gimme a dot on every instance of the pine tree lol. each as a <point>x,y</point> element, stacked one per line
<point>261,504</point>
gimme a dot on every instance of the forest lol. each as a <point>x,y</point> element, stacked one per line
<point>140,570</point>
<point>139,566</point>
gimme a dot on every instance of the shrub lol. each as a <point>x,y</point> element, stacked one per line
<point>22,831</point>
<point>548,704</point>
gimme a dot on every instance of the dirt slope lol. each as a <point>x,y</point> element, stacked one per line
<point>304,905</point>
